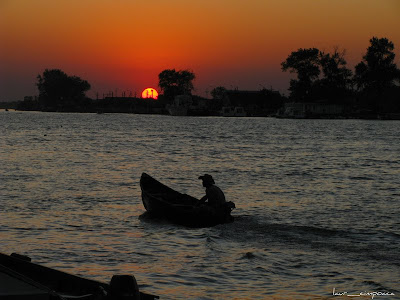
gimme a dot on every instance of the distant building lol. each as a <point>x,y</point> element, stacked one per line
<point>312,110</point>
<point>129,105</point>
<point>255,103</point>
<point>204,107</point>
<point>180,106</point>
<point>231,111</point>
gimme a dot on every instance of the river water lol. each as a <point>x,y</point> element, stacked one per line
<point>318,202</point>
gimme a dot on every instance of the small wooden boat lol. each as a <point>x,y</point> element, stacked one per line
<point>22,279</point>
<point>161,201</point>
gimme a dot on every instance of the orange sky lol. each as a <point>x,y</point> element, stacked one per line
<point>124,44</point>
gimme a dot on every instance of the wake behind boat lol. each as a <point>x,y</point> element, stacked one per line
<point>160,200</point>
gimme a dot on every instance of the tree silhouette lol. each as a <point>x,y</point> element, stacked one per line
<point>304,62</point>
<point>336,82</point>
<point>377,71</point>
<point>376,76</point>
<point>218,93</point>
<point>174,83</point>
<point>58,90</point>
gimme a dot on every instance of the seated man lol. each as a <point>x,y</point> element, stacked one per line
<point>214,195</point>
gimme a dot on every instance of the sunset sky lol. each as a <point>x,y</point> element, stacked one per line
<point>122,45</point>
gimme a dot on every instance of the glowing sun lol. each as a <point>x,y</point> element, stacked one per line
<point>150,93</point>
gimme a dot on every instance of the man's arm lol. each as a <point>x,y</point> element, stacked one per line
<point>203,199</point>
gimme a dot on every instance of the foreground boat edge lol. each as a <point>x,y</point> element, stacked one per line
<point>48,283</point>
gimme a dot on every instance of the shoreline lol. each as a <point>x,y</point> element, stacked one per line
<point>378,117</point>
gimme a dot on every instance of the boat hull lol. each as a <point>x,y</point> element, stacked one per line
<point>164,202</point>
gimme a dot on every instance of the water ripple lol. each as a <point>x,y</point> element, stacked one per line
<point>317,202</point>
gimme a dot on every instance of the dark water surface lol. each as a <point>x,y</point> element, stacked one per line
<point>318,202</point>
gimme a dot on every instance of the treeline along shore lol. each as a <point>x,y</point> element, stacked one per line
<point>324,87</point>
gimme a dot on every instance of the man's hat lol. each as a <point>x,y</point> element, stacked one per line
<point>207,178</point>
